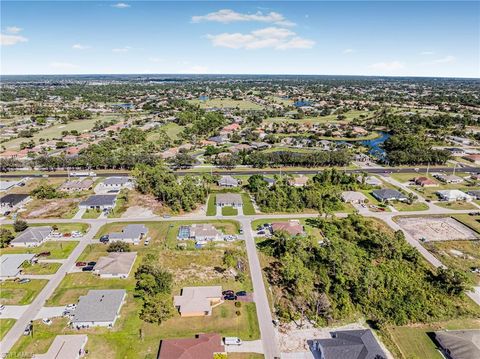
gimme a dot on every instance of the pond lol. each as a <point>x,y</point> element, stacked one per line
<point>374,145</point>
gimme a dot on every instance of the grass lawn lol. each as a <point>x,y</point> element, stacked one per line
<point>227,103</point>
<point>57,249</point>
<point>121,205</point>
<point>462,255</point>
<point>414,341</point>
<point>14,293</point>
<point>470,221</point>
<point>91,214</point>
<point>405,207</point>
<point>5,325</point>
<point>41,268</point>
<point>211,207</point>
<point>248,208</point>
<point>456,205</point>
<point>229,211</point>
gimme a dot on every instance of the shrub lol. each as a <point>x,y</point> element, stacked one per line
<point>238,304</point>
<point>20,225</point>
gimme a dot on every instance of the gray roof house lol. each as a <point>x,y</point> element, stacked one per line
<point>474,193</point>
<point>387,194</point>
<point>32,237</point>
<point>76,185</point>
<point>115,265</point>
<point>229,199</point>
<point>116,182</point>
<point>10,264</point>
<point>99,201</point>
<point>459,344</point>
<point>98,308</point>
<point>348,344</point>
<point>131,233</point>
<point>13,199</point>
<point>228,181</point>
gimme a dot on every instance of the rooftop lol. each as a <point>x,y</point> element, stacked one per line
<point>99,306</point>
<point>10,263</point>
<point>197,299</point>
<point>202,346</point>
<point>33,235</point>
<point>116,263</point>
<point>100,200</point>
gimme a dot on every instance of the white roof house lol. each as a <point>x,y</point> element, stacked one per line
<point>115,265</point>
<point>228,181</point>
<point>98,308</point>
<point>451,195</point>
<point>65,347</point>
<point>229,199</point>
<point>10,264</point>
<point>32,237</point>
<point>205,232</point>
<point>197,301</point>
<point>353,197</point>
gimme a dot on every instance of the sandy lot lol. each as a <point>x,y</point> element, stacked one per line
<point>436,229</point>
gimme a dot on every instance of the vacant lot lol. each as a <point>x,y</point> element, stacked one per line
<point>14,293</point>
<point>436,228</point>
<point>227,103</point>
<point>51,208</point>
<point>57,249</point>
<point>5,325</point>
<point>40,268</point>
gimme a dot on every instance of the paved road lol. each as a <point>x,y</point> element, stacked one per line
<point>252,171</point>
<point>34,308</point>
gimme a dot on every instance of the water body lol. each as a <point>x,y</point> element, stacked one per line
<point>374,146</point>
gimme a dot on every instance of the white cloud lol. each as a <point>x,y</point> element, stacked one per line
<point>63,66</point>
<point>444,60</point>
<point>121,5</point>
<point>122,49</point>
<point>348,51</point>
<point>80,47</point>
<point>13,29</point>
<point>427,53</point>
<point>270,37</point>
<point>226,16</point>
<point>195,69</point>
<point>388,67</point>
<point>9,40</point>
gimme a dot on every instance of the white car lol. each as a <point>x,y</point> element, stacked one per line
<point>56,235</point>
<point>46,321</point>
<point>76,234</point>
<point>70,306</point>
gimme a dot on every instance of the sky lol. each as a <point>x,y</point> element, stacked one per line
<point>393,38</point>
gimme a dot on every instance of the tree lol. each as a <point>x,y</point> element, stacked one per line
<point>118,246</point>
<point>46,191</point>
<point>452,281</point>
<point>152,280</point>
<point>5,237</point>
<point>157,309</point>
<point>20,225</point>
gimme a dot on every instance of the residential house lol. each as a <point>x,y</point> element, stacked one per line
<point>448,178</point>
<point>197,301</point>
<point>370,180</point>
<point>292,227</point>
<point>387,194</point>
<point>76,185</point>
<point>348,344</point>
<point>65,347</point>
<point>98,308</point>
<point>452,195</point>
<point>459,344</point>
<point>229,199</point>
<point>299,181</point>
<point>204,232</point>
<point>32,237</point>
<point>12,201</point>
<point>116,183</point>
<point>353,197</point>
<point>270,181</point>
<point>115,265</point>
<point>11,264</point>
<point>228,181</point>
<point>425,182</point>
<point>131,233</point>
<point>203,346</point>
<point>6,185</point>
<point>474,193</point>
<point>99,202</point>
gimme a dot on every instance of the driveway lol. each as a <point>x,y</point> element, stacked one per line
<point>13,311</point>
<point>252,346</point>
<point>50,312</point>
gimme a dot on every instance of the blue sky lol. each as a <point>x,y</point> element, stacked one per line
<point>315,37</point>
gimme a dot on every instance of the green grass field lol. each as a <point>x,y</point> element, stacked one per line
<point>91,214</point>
<point>405,207</point>
<point>229,211</point>
<point>350,115</point>
<point>248,208</point>
<point>14,293</point>
<point>456,205</point>
<point>227,103</point>
<point>57,249</point>
<point>211,207</point>
<point>5,325</point>
<point>40,268</point>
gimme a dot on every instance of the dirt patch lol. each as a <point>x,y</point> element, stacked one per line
<point>436,229</point>
<point>200,273</point>
<point>147,202</point>
<point>138,212</point>
<point>54,208</point>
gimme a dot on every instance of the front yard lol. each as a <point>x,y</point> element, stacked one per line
<point>14,293</point>
<point>57,249</point>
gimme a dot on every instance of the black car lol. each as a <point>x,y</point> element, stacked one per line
<point>104,239</point>
<point>230,297</point>
<point>91,264</point>
<point>242,293</point>
<point>87,269</point>
<point>228,292</point>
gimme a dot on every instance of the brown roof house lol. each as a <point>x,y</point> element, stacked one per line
<point>203,346</point>
<point>293,227</point>
<point>197,301</point>
<point>425,182</point>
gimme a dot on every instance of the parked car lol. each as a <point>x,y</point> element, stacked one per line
<point>76,234</point>
<point>24,280</point>
<point>56,235</point>
<point>91,263</point>
<point>147,242</point>
<point>228,292</point>
<point>46,321</point>
<point>104,239</point>
<point>166,216</point>
<point>80,264</point>
<point>87,269</point>
<point>2,307</point>
<point>241,293</point>
<point>6,213</point>
<point>230,297</point>
<point>232,341</point>
<point>27,330</point>
<point>70,306</point>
